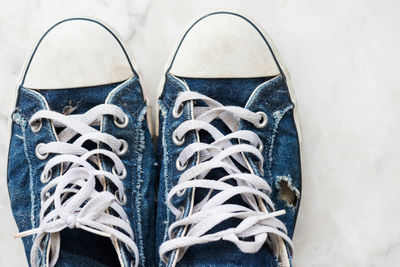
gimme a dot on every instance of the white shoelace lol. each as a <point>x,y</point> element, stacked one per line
<point>71,199</point>
<point>257,225</point>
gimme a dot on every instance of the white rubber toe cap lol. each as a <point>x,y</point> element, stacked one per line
<point>224,45</point>
<point>77,53</point>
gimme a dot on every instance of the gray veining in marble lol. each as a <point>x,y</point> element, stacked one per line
<point>343,58</point>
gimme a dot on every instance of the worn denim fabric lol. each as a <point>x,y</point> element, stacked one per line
<point>281,153</point>
<point>78,247</point>
<point>281,169</point>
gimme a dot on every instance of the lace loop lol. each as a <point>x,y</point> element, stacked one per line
<point>71,199</point>
<point>258,222</point>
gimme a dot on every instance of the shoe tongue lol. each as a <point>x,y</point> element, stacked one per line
<point>229,92</point>
<point>81,248</point>
<point>77,100</point>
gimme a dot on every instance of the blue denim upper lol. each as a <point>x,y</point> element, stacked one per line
<point>281,153</point>
<point>78,247</point>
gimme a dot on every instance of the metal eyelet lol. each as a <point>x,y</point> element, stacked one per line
<point>123,123</point>
<point>180,193</point>
<point>40,155</point>
<point>123,148</point>
<point>177,113</point>
<point>120,201</point>
<point>36,125</point>
<point>122,175</point>
<point>45,178</point>
<point>260,146</point>
<point>263,121</point>
<point>46,197</point>
<point>179,166</point>
<point>177,141</point>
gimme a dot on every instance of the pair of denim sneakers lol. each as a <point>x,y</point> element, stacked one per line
<point>223,189</point>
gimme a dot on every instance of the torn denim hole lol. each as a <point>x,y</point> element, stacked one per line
<point>18,118</point>
<point>67,110</point>
<point>287,192</point>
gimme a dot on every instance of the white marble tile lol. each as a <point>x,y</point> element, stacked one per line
<point>343,59</point>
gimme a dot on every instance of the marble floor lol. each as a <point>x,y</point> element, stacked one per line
<point>343,58</point>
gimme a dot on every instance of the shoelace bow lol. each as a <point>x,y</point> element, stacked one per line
<point>257,225</point>
<point>71,199</point>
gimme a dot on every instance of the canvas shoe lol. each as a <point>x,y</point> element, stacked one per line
<point>81,162</point>
<point>229,150</point>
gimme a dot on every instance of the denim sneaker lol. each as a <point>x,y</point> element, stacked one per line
<point>81,161</point>
<point>229,150</point>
